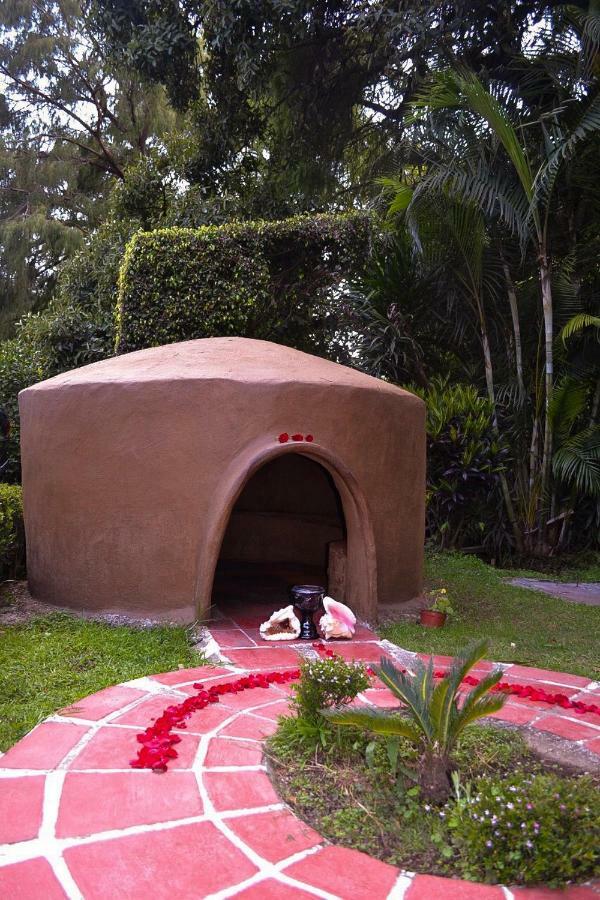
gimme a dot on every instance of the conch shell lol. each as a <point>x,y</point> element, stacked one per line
<point>284,625</point>
<point>338,622</point>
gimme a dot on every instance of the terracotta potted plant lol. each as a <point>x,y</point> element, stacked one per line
<point>438,611</point>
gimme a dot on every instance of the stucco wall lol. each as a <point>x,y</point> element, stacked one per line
<point>131,468</point>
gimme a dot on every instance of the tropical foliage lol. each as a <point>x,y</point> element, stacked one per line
<point>472,129</point>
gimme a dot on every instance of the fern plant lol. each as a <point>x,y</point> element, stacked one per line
<point>434,719</point>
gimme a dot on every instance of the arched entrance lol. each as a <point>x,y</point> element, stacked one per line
<point>293,515</point>
<point>286,527</point>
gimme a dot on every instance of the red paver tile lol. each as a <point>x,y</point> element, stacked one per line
<point>275,835</point>
<point>345,873</point>
<point>239,790</point>
<point>439,662</point>
<point>200,722</point>
<point>574,731</point>
<point>531,674</point>
<point>254,697</point>
<point>30,880</point>
<point>430,887</point>
<point>270,889</point>
<point>594,745</point>
<point>113,748</point>
<point>180,676</point>
<point>93,802</point>
<point>148,710</point>
<point>264,658</point>
<point>231,637</point>
<point>382,698</point>
<point>21,800</point>
<point>274,710</point>
<point>187,862</point>
<point>363,652</point>
<point>101,704</point>
<point>44,747</point>
<point>251,622</point>
<point>249,727</point>
<point>223,752</point>
<point>517,714</point>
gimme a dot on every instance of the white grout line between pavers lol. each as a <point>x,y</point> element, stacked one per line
<point>399,889</point>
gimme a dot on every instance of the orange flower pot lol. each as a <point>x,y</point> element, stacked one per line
<point>430,618</point>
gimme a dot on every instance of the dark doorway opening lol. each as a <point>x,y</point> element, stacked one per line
<point>287,527</point>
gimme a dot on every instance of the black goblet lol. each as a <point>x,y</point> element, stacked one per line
<point>307,598</point>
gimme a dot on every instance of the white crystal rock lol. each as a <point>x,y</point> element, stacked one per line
<point>284,625</point>
<point>338,622</point>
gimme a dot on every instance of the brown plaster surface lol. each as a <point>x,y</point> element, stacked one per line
<point>132,466</point>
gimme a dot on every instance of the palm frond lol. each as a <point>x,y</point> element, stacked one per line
<point>578,323</point>
<point>577,462</point>
<point>588,124</point>
<point>472,706</point>
<point>567,402</point>
<point>483,707</point>
<point>415,691</point>
<point>375,720</point>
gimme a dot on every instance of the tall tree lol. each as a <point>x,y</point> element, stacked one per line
<point>71,121</point>
<point>293,96</point>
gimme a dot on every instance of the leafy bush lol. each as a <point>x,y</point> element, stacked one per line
<point>64,338</point>
<point>48,343</point>
<point>326,683</point>
<point>528,830</point>
<point>257,279</point>
<point>434,720</point>
<point>20,366</point>
<point>12,535</point>
<point>465,458</point>
<point>439,601</point>
<point>88,281</point>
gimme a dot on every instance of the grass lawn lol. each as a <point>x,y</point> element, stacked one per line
<point>546,632</point>
<point>52,661</point>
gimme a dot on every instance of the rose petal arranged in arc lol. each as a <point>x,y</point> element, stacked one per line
<point>158,742</point>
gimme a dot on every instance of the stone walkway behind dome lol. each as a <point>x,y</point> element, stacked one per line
<point>78,822</point>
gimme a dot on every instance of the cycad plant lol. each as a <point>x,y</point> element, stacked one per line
<point>434,720</point>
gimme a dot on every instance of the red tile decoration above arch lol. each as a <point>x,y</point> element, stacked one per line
<point>213,823</point>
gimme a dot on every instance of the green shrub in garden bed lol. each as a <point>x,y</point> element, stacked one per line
<point>12,538</point>
<point>527,830</point>
<point>254,279</point>
<point>508,816</point>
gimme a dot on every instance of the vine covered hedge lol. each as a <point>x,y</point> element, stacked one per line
<point>270,280</point>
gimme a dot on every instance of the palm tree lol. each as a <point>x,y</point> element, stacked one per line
<point>512,177</point>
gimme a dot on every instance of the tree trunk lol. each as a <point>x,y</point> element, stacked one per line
<point>546,288</point>
<point>489,380</point>
<point>514,311</point>
<point>435,777</point>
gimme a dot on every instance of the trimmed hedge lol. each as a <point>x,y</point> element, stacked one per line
<point>20,366</point>
<point>12,533</point>
<point>268,280</point>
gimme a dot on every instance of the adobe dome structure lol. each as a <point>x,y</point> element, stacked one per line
<point>147,474</point>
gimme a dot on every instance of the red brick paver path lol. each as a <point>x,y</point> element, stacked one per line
<point>76,821</point>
